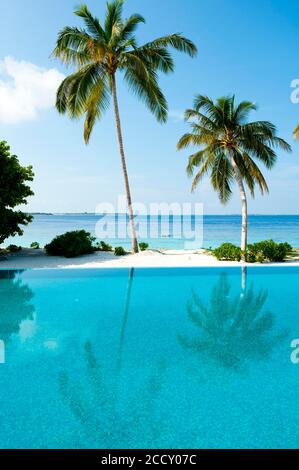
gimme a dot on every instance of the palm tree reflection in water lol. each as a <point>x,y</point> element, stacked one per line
<point>232,329</point>
<point>104,420</point>
<point>107,409</point>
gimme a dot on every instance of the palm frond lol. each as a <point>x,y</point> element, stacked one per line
<point>158,58</point>
<point>97,104</point>
<point>259,150</point>
<point>263,132</point>
<point>244,172</point>
<point>129,26</point>
<point>202,120</point>
<point>214,113</point>
<point>62,95</point>
<point>113,18</point>
<point>225,108</point>
<point>192,114</point>
<point>242,111</point>
<point>75,91</point>
<point>281,144</point>
<point>189,139</point>
<point>176,41</point>
<point>72,57</point>
<point>256,173</point>
<point>258,128</point>
<point>72,38</point>
<point>204,168</point>
<point>195,160</point>
<point>147,89</point>
<point>92,23</point>
<point>296,132</point>
<point>222,175</point>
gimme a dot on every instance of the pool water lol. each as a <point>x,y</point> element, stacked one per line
<point>149,358</point>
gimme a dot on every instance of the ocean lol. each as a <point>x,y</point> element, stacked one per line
<point>162,231</point>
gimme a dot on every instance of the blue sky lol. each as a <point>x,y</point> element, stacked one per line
<point>248,47</point>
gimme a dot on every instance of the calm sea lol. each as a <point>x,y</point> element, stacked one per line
<point>215,229</point>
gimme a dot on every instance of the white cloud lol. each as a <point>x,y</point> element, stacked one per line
<point>25,90</point>
<point>176,115</point>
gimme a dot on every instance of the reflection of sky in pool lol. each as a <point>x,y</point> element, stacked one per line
<point>149,358</point>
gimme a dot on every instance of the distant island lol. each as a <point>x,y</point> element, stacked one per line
<point>40,213</point>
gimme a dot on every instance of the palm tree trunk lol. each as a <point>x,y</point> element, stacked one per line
<point>123,332</point>
<point>244,280</point>
<point>125,319</point>
<point>124,166</point>
<point>244,205</point>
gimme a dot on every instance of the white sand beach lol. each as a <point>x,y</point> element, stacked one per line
<point>37,259</point>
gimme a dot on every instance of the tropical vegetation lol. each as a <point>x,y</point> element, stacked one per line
<point>98,51</point>
<point>120,251</point>
<point>35,246</point>
<point>71,244</point>
<point>227,147</point>
<point>143,246</point>
<point>13,248</point>
<point>227,252</point>
<point>266,250</point>
<point>103,246</point>
<point>14,192</point>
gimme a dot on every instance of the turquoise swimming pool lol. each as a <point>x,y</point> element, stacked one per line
<point>149,358</point>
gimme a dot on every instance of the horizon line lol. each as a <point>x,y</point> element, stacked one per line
<point>146,215</point>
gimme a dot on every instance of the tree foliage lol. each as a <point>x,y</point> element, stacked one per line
<point>97,51</point>
<point>221,128</point>
<point>13,192</point>
<point>71,244</point>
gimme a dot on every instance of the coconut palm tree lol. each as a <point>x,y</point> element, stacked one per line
<point>296,132</point>
<point>229,146</point>
<point>98,52</point>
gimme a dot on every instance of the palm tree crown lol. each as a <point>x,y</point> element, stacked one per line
<point>225,137</point>
<point>98,51</point>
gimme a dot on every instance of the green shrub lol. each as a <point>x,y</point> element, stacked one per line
<point>14,248</point>
<point>71,244</point>
<point>102,246</point>
<point>260,258</point>
<point>227,252</point>
<point>35,245</point>
<point>143,246</point>
<point>266,250</point>
<point>250,256</point>
<point>269,250</point>
<point>120,251</point>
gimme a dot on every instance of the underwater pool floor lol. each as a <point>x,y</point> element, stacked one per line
<point>149,358</point>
